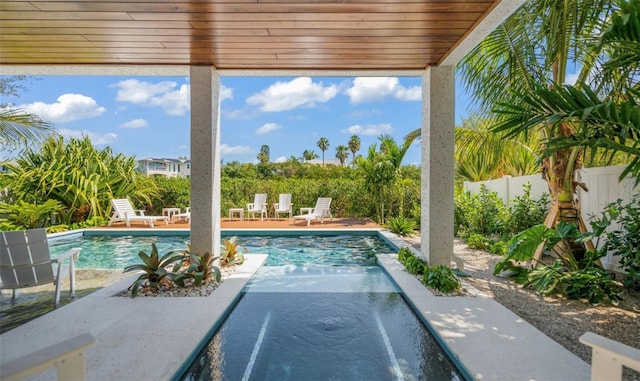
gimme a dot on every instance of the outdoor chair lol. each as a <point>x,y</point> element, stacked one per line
<point>283,206</point>
<point>123,211</point>
<point>318,212</point>
<point>259,205</point>
<point>25,261</point>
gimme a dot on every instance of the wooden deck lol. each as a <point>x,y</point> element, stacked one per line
<point>270,223</point>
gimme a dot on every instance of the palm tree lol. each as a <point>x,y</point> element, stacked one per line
<point>309,155</point>
<point>263,155</point>
<point>354,146</point>
<point>482,154</point>
<point>529,51</point>
<point>379,174</point>
<point>342,153</point>
<point>323,144</point>
<point>604,115</point>
<point>18,127</point>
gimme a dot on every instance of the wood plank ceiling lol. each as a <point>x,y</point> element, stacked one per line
<point>238,34</point>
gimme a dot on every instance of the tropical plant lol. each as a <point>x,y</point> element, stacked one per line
<point>342,153</point>
<point>232,252</point>
<point>525,212</point>
<point>415,265</point>
<point>323,144</point>
<point>600,115</point>
<point>441,278</point>
<point>200,268</point>
<point>154,269</point>
<point>482,213</point>
<point>263,155</point>
<point>354,147</point>
<point>401,225</point>
<point>22,215</point>
<point>575,279</point>
<point>379,174</point>
<point>403,254</point>
<point>309,155</point>
<point>82,178</point>
<point>623,241</point>
<point>18,127</point>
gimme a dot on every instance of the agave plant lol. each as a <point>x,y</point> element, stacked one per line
<point>201,268</point>
<point>154,268</point>
<point>232,252</point>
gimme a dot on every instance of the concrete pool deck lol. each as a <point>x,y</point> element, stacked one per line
<point>150,338</point>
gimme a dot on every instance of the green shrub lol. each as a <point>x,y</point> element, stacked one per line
<point>442,279</point>
<point>525,212</point>
<point>479,242</point>
<point>401,225</point>
<point>22,215</point>
<point>623,241</point>
<point>403,254</point>
<point>498,247</point>
<point>415,265</point>
<point>483,213</point>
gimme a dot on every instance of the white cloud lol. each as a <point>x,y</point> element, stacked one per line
<point>135,123</point>
<point>372,129</point>
<point>225,93</point>
<point>69,107</point>
<point>165,94</point>
<point>373,89</point>
<point>96,139</point>
<point>183,147</point>
<point>571,79</point>
<point>225,149</point>
<point>268,127</point>
<point>281,159</point>
<point>301,91</point>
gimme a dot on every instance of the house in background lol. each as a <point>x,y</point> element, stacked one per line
<point>153,166</point>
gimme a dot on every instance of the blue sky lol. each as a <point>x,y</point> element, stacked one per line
<point>149,116</point>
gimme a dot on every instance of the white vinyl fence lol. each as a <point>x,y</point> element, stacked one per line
<point>602,183</point>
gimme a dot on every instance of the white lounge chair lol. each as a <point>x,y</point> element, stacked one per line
<point>283,206</point>
<point>259,205</point>
<point>25,261</point>
<point>318,212</point>
<point>184,215</point>
<point>123,211</point>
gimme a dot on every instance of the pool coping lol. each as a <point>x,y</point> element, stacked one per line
<point>151,338</point>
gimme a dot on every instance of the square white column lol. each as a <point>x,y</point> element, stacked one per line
<point>437,143</point>
<point>205,160</point>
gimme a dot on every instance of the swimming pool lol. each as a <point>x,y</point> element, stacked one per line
<point>318,321</point>
<point>118,251</point>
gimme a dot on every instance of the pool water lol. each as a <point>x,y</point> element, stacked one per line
<point>320,322</point>
<point>117,252</point>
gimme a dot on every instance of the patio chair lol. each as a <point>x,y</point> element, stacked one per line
<point>25,261</point>
<point>123,211</point>
<point>259,205</point>
<point>184,215</point>
<point>318,212</point>
<point>283,206</point>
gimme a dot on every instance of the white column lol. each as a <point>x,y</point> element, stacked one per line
<point>205,160</point>
<point>438,122</point>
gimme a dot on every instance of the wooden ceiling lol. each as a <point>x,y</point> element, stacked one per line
<point>238,34</point>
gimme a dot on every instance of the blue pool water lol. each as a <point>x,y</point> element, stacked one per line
<point>319,321</point>
<point>117,252</point>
